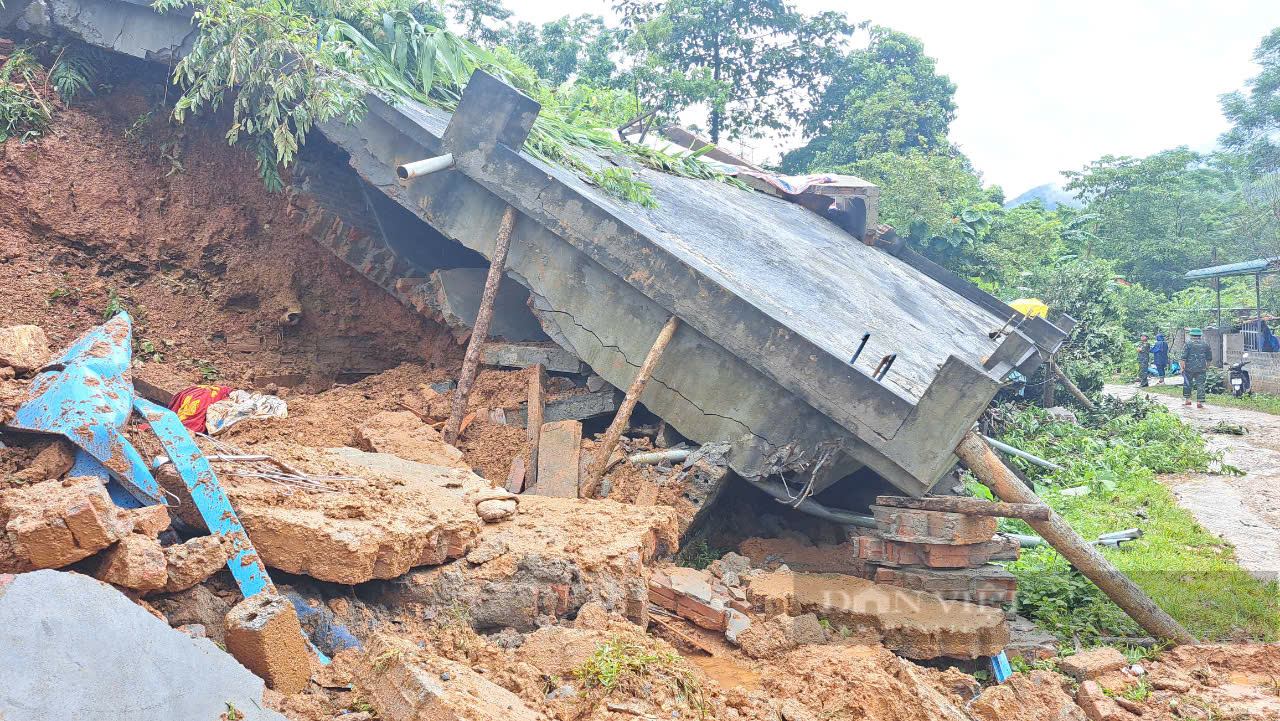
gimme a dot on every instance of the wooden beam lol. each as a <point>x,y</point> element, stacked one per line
<point>991,471</point>
<point>620,421</point>
<point>1084,400</point>
<point>481,331</point>
<point>537,402</point>
<point>970,507</point>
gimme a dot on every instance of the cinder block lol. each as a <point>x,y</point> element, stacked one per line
<point>264,635</point>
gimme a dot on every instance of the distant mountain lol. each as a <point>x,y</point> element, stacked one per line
<point>1049,195</point>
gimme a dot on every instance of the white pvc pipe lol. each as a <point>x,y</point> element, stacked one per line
<point>424,167</point>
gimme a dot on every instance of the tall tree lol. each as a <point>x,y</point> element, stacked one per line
<point>764,53</point>
<point>885,98</point>
<point>475,16</point>
<point>581,48</point>
<point>1255,117</point>
<point>1159,216</point>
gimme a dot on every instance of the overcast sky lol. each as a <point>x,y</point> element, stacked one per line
<point>1046,86</point>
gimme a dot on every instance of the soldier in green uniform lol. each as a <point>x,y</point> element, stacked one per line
<point>1195,363</point>
<point>1144,361</point>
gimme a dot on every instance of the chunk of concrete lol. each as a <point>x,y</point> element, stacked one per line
<point>150,520</point>
<point>404,685</point>
<point>1097,705</point>
<point>916,625</point>
<point>559,454</point>
<point>23,348</point>
<point>454,296</point>
<point>53,524</point>
<point>195,561</point>
<point>52,462</point>
<point>805,628</point>
<point>264,634</point>
<point>508,355</point>
<point>403,434</point>
<point>1088,665</point>
<point>421,519</point>
<point>135,562</point>
<point>79,650</point>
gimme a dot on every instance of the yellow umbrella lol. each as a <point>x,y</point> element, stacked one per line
<point>1030,307</point>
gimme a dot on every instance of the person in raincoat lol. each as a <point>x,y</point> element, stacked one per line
<point>1195,364</point>
<point>1144,360</point>
<point>1160,353</point>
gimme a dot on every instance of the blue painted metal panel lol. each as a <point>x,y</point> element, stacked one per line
<point>246,565</point>
<point>86,396</point>
<point>1000,667</point>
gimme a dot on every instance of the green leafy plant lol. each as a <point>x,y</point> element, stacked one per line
<point>233,713</point>
<point>617,662</point>
<point>699,556</point>
<point>147,350</point>
<point>22,114</point>
<point>75,71</point>
<point>621,183</point>
<point>115,304</point>
<point>139,125</point>
<point>207,371</point>
<point>62,294</point>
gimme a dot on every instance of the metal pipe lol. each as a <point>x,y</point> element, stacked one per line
<point>866,335</point>
<point>653,458</point>
<point>423,167</point>
<point>1006,448</point>
<point>813,508</point>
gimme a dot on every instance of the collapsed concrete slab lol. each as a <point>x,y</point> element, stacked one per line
<point>113,660</point>
<point>916,625</point>
<point>453,297</point>
<point>773,298</point>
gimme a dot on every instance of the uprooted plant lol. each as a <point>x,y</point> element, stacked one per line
<point>285,68</point>
<point>619,662</point>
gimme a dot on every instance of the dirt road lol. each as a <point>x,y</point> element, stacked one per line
<point>1242,509</point>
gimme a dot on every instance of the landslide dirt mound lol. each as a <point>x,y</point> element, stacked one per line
<point>123,209</point>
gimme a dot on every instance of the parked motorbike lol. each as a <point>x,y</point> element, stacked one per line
<point>1238,377</point>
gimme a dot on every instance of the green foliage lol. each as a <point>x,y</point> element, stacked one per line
<point>1116,451</point>
<point>579,48</point>
<point>618,662</point>
<point>699,556</point>
<point>886,98</point>
<point>620,183</point>
<point>754,52</point>
<point>1255,118</point>
<point>207,370</point>
<point>22,115</point>
<point>115,304</point>
<point>76,70</point>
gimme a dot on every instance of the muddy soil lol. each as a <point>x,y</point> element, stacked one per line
<point>123,209</point>
<point>1244,510</point>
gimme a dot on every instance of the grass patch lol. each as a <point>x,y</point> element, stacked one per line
<point>1188,571</point>
<point>620,664</point>
<point>1261,402</point>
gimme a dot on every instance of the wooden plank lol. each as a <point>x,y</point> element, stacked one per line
<point>648,495</point>
<point>537,401</point>
<point>969,506</point>
<point>559,452</point>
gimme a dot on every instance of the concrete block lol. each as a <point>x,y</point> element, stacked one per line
<point>574,407</point>
<point>53,524</point>
<point>136,562</point>
<point>1088,665</point>
<point>23,348</point>
<point>264,635</point>
<point>915,526</point>
<point>77,649</point>
<point>506,355</point>
<point>559,453</point>
<point>1097,705</point>
<point>916,625</point>
<point>195,561</point>
<point>804,628</point>
<point>405,686</point>
<point>986,585</point>
<point>150,520</point>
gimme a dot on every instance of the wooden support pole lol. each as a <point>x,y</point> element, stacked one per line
<point>620,421</point>
<point>1084,400</point>
<point>969,506</point>
<point>991,471</point>
<point>481,331</point>
<point>537,402</point>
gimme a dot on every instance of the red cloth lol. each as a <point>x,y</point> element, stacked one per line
<point>191,404</point>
